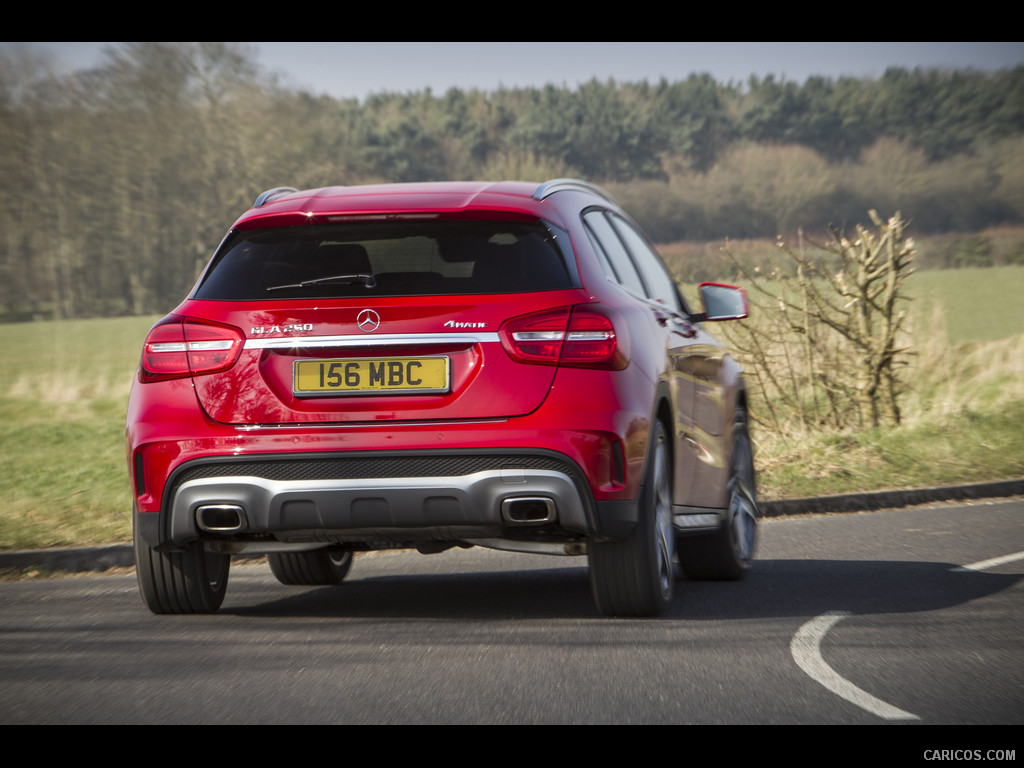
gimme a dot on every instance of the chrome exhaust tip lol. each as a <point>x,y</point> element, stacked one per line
<point>220,518</point>
<point>528,510</point>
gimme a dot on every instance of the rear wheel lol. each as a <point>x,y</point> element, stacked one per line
<point>636,576</point>
<point>728,554</point>
<point>317,568</point>
<point>189,581</point>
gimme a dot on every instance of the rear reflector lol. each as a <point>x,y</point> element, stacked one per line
<point>177,347</point>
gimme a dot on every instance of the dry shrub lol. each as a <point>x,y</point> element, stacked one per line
<point>827,339</point>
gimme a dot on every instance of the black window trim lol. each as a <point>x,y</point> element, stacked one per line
<point>610,215</point>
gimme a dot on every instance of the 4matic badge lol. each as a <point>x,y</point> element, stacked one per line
<point>453,324</point>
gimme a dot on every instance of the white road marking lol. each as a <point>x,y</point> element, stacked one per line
<point>806,650</point>
<point>982,565</point>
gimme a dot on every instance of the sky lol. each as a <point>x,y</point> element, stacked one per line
<point>354,70</point>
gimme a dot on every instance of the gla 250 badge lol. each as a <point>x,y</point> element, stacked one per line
<point>262,330</point>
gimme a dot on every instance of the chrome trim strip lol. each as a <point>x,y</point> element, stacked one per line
<point>376,340</point>
<point>688,521</point>
<point>695,521</point>
<point>305,426</point>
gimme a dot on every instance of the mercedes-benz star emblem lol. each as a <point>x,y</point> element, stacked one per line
<point>368,321</point>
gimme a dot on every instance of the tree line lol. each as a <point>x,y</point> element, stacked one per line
<point>119,181</point>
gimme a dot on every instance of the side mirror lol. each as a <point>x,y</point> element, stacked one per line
<point>722,302</point>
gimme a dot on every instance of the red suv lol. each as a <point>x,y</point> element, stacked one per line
<point>425,366</point>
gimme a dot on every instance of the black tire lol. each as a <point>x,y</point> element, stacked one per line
<point>636,576</point>
<point>317,568</point>
<point>190,581</point>
<point>728,554</point>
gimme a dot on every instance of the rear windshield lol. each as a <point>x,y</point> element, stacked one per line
<point>398,258</point>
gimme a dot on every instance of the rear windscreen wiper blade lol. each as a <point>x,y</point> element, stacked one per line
<point>368,280</point>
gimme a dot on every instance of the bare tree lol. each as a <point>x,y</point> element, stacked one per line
<point>829,344</point>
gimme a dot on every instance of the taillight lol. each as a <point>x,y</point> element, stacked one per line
<point>177,347</point>
<point>591,341</point>
<point>536,338</point>
<point>580,337</point>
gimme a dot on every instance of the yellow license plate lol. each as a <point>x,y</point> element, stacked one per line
<point>361,375</point>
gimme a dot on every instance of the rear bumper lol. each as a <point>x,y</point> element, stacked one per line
<point>381,499</point>
<point>580,457</point>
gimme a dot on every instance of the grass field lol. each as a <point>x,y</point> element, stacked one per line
<point>63,391</point>
<point>64,387</point>
<point>979,304</point>
<point>963,409</point>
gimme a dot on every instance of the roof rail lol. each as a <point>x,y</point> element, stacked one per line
<point>267,196</point>
<point>557,185</point>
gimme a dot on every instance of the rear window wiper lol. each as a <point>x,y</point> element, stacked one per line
<point>368,280</point>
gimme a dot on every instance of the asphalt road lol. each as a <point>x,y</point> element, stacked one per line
<point>847,619</point>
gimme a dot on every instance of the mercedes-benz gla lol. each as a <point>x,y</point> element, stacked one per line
<point>422,366</point>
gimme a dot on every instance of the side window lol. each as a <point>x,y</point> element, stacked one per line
<point>602,257</point>
<point>614,252</point>
<point>660,285</point>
